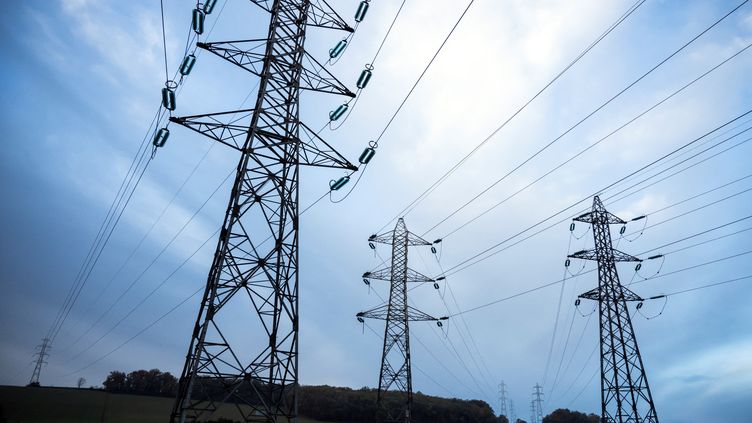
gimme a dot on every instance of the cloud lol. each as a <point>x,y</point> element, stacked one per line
<point>711,371</point>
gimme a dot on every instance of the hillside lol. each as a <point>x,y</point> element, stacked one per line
<point>39,405</point>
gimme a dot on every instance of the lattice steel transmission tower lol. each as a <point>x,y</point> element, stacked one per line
<point>625,394</point>
<point>244,346</point>
<point>396,369</point>
<point>532,411</point>
<point>512,414</point>
<point>41,354</point>
<point>503,399</point>
<point>537,404</point>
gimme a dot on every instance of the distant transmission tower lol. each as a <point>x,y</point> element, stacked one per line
<point>41,354</point>
<point>244,346</point>
<point>512,414</point>
<point>532,412</point>
<point>395,371</point>
<point>503,399</point>
<point>625,394</point>
<point>538,403</point>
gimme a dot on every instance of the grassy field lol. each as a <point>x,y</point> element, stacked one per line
<point>20,404</point>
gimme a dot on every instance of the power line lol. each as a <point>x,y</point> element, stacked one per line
<point>452,169</point>
<point>117,207</point>
<point>137,334</point>
<point>154,260</point>
<point>422,74</point>
<point>540,287</point>
<point>570,159</point>
<point>711,285</point>
<point>469,261</point>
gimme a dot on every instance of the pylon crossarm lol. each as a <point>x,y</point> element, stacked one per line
<point>314,151</point>
<point>413,239</point>
<point>226,128</point>
<point>379,313</point>
<point>384,274</point>
<point>619,256</point>
<point>247,54</point>
<point>316,77</point>
<point>415,315</point>
<point>592,255</point>
<point>413,276</point>
<point>320,14</point>
<point>607,217</point>
<point>231,134</point>
<point>385,238</point>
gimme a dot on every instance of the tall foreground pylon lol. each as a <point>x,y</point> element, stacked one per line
<point>244,346</point>
<point>396,371</point>
<point>625,394</point>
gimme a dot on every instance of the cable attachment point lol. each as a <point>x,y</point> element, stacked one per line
<point>660,267</point>
<point>644,217</point>
<point>365,77</point>
<point>663,307</point>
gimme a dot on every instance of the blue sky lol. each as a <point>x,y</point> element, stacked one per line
<point>81,81</point>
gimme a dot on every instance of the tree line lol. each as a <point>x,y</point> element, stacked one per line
<point>335,404</point>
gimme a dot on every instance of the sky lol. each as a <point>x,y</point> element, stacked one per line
<point>81,81</point>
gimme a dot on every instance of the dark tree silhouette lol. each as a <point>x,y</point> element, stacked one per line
<point>568,416</point>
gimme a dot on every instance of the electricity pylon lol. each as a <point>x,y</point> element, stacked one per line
<point>503,399</point>
<point>41,354</point>
<point>625,394</point>
<point>244,346</point>
<point>512,414</point>
<point>396,369</point>
<point>533,412</point>
<point>537,404</point>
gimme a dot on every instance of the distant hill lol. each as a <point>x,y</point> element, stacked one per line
<point>71,405</point>
<point>325,404</point>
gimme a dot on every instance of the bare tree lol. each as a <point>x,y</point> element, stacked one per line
<point>81,382</point>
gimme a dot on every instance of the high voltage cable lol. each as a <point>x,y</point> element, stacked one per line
<point>710,285</point>
<point>591,113</point>
<point>476,148</point>
<point>567,218</point>
<point>581,152</point>
<point>416,367</point>
<point>143,300</point>
<point>422,74</point>
<point>388,31</point>
<point>110,222</point>
<point>652,212</point>
<point>540,287</point>
<point>149,326</point>
<point>154,260</point>
<point>461,312</point>
<point>587,361</point>
<point>556,325</point>
<point>99,236</point>
<point>450,347</point>
<point>183,263</point>
<point>483,366</point>
<point>454,268</point>
<point>95,259</point>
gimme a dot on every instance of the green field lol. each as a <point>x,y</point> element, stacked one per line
<point>20,404</point>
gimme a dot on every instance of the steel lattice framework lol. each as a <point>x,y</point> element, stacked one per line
<point>503,399</point>
<point>396,372</point>
<point>43,351</point>
<point>537,409</point>
<point>625,394</point>
<point>244,346</point>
